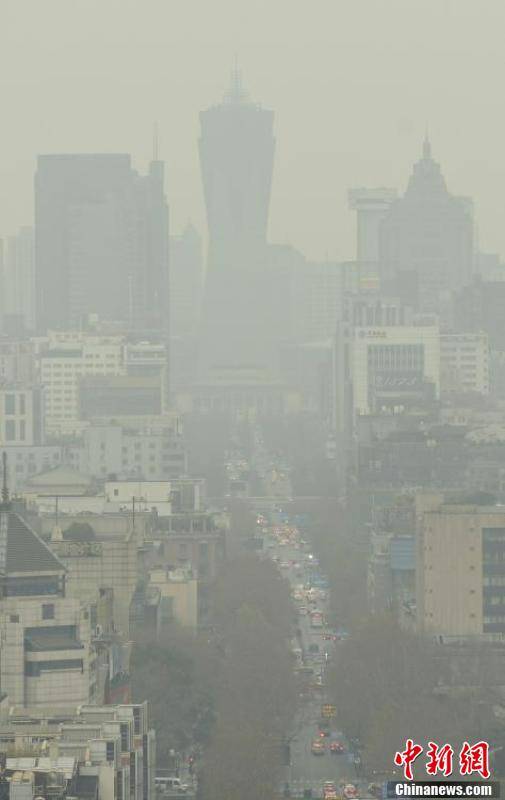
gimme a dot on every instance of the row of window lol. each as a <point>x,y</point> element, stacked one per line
<point>33,669</point>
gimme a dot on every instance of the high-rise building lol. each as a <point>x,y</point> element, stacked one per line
<point>236,154</point>
<point>17,283</point>
<point>464,363</point>
<point>101,241</point>
<point>186,282</point>
<point>460,570</point>
<point>426,239</point>
<point>371,206</point>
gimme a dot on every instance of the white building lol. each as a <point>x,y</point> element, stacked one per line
<point>147,494</point>
<point>391,362</point>
<point>25,461</point>
<point>386,360</point>
<point>21,415</point>
<point>46,655</point>
<point>464,362</point>
<point>67,356</point>
<point>144,448</point>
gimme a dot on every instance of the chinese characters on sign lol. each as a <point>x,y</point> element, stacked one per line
<point>472,759</point>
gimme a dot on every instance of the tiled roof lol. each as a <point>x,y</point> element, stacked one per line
<point>24,550</point>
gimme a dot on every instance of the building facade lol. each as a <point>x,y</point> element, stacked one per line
<point>101,241</point>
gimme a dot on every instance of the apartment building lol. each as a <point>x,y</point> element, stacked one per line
<point>81,751</point>
<point>460,562</point>
<point>21,415</point>
<point>464,363</point>
<point>64,361</point>
<point>47,654</point>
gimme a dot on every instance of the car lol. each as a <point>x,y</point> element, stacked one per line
<point>329,790</point>
<point>170,783</point>
<point>303,611</point>
<point>337,748</point>
<point>318,748</point>
<point>349,791</point>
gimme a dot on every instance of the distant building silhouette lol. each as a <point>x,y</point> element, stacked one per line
<point>186,282</point>
<point>17,284</point>
<point>426,239</point>
<point>236,154</point>
<point>101,241</point>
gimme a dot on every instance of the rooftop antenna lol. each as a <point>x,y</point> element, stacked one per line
<point>426,144</point>
<point>156,142</point>
<point>236,93</point>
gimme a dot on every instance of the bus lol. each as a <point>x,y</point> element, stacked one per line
<point>316,619</point>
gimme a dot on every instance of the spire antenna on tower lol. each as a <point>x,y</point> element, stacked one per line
<point>156,142</point>
<point>236,93</point>
<point>426,145</point>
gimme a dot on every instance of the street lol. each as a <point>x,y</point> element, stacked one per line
<point>306,770</point>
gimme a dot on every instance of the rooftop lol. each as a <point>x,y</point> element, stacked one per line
<point>21,549</point>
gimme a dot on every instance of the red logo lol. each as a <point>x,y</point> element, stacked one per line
<point>472,759</point>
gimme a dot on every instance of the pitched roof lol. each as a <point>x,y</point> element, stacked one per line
<point>59,476</point>
<point>22,550</point>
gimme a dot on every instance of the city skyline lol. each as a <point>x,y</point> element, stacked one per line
<point>347,74</point>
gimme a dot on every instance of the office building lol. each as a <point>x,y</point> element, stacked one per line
<point>101,241</point>
<point>64,361</point>
<point>464,363</point>
<point>387,359</point>
<point>426,243</point>
<point>17,360</point>
<point>371,206</point>
<point>236,156</point>
<point>461,569</point>
<point>17,283</point>
<point>186,282</point>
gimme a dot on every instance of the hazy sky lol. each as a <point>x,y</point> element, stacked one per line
<point>353,84</point>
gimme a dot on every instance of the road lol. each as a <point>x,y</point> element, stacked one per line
<point>308,771</point>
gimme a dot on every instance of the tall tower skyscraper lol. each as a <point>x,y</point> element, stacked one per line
<point>101,241</point>
<point>236,155</point>
<point>426,238</point>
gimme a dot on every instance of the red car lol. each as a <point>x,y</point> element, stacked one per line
<point>337,748</point>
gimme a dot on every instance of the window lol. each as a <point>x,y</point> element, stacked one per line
<point>14,618</point>
<point>116,492</point>
<point>48,611</point>
<point>10,403</point>
<point>124,738</point>
<point>22,430</point>
<point>10,430</point>
<point>22,404</point>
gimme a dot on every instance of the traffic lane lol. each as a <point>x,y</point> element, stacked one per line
<point>310,771</point>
